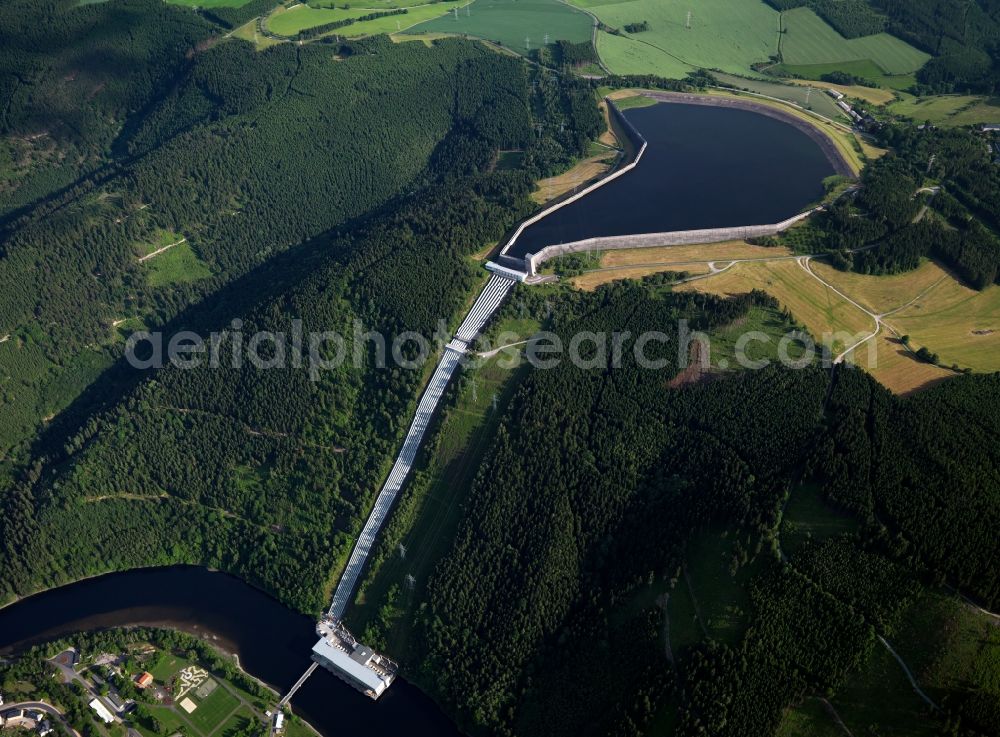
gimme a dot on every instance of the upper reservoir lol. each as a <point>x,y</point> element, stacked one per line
<point>705,167</point>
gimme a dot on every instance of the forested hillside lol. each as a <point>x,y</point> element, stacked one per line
<point>381,164</point>
<point>71,77</point>
<point>882,230</point>
<point>603,489</point>
<point>172,137</point>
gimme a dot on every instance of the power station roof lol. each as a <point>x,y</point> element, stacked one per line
<point>344,662</point>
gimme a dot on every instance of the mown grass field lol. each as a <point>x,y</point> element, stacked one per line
<point>865,69</point>
<point>635,263</point>
<point>815,100</point>
<point>581,174</point>
<point>949,110</point>
<point>214,710</point>
<point>882,294</point>
<point>819,309</point>
<point>248,32</point>
<point>960,324</point>
<point>808,39</point>
<point>517,24</point>
<point>874,95</point>
<point>724,34</point>
<point>288,22</point>
<point>161,237</point>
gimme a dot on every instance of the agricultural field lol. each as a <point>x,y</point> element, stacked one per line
<point>730,35</point>
<point>520,25</point>
<point>809,40</point>
<point>626,56</point>
<point>949,111</point>
<point>288,22</point>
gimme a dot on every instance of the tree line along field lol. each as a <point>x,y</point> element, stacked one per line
<point>807,40</point>
<point>733,36</point>
<point>289,21</point>
<point>520,25</point>
<point>208,3</point>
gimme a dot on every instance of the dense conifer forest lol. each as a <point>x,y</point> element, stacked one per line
<point>377,171</point>
<point>539,620</point>
<point>885,229</point>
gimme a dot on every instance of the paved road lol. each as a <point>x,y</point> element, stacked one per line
<point>45,707</point>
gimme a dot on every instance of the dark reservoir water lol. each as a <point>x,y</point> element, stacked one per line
<point>705,167</point>
<point>272,641</point>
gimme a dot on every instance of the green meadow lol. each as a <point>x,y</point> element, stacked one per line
<point>723,34</point>
<point>808,39</point>
<point>517,24</point>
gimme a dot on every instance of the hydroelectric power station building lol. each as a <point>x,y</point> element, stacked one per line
<point>356,664</point>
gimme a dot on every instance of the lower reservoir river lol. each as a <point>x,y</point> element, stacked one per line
<point>272,641</point>
<point>705,167</point>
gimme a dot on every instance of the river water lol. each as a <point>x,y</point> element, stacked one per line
<point>272,641</point>
<point>705,167</point>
